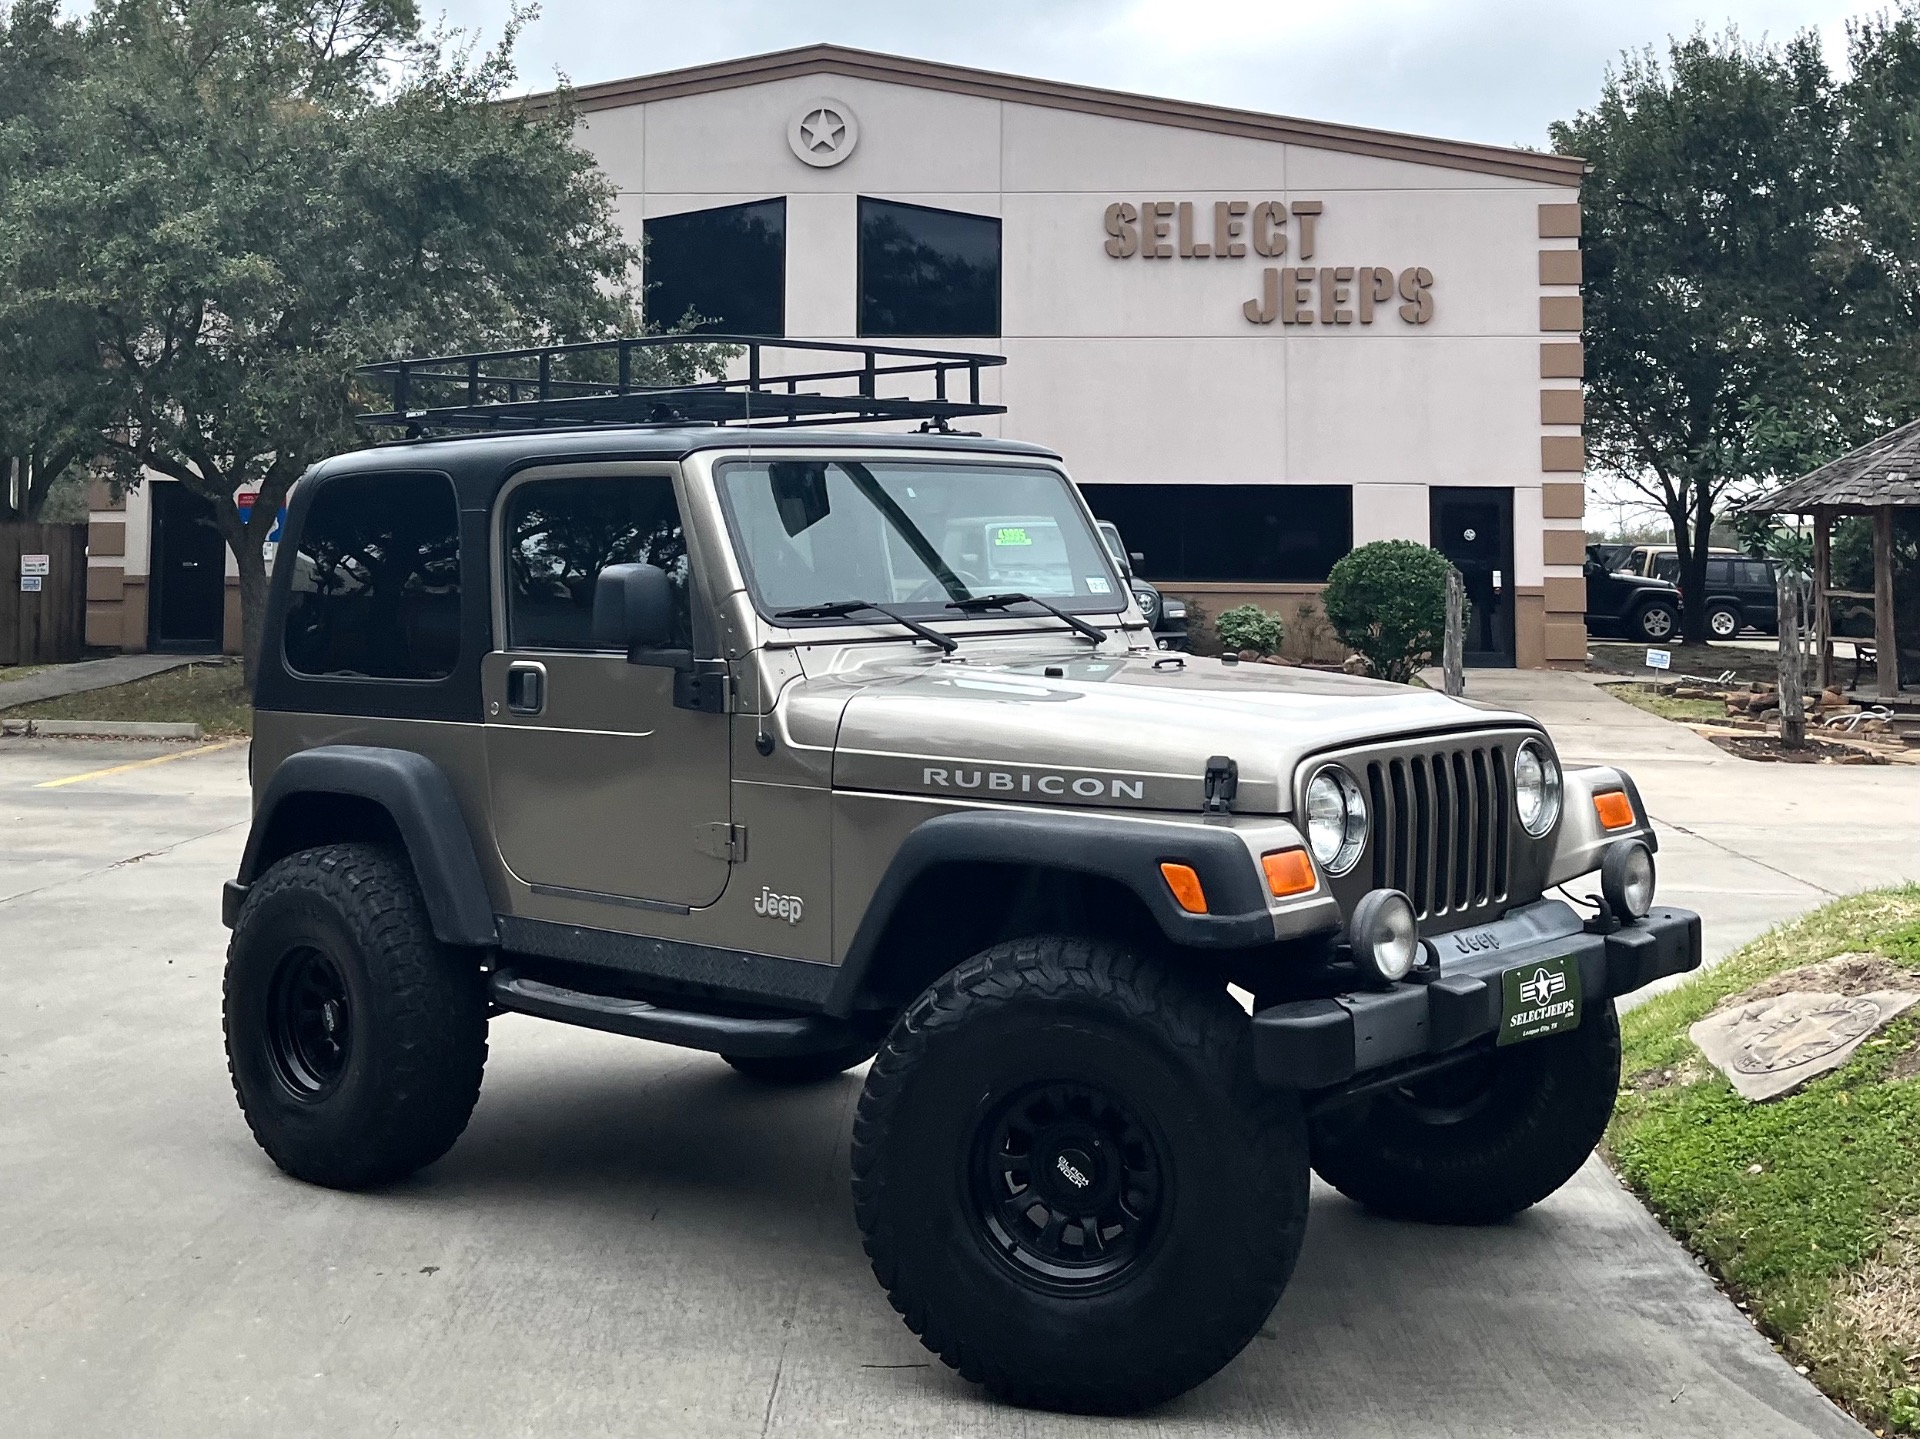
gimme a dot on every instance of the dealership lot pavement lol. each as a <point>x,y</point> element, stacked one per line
<point>632,1240</point>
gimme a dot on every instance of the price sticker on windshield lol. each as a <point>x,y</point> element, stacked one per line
<point>1011,535</point>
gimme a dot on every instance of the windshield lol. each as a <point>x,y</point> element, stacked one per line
<point>913,534</point>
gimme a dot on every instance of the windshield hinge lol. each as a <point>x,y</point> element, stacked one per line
<point>722,841</point>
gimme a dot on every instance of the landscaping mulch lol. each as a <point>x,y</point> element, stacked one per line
<point>1769,747</point>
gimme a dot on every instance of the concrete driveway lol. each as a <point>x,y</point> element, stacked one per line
<point>631,1240</point>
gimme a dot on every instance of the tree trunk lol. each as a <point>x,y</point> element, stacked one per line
<point>253,607</point>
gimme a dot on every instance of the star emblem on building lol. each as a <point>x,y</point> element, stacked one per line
<point>823,129</point>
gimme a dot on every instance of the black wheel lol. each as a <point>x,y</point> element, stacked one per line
<point>354,1039</point>
<point>1482,1140</point>
<point>1069,1181</point>
<point>1723,622</point>
<point>1656,621</point>
<point>802,1068</point>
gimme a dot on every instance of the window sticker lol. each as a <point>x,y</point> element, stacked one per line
<point>1098,586</point>
<point>1008,536</point>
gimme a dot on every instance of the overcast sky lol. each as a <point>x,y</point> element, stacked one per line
<point>1491,70</point>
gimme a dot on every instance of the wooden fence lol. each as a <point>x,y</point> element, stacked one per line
<point>43,594</point>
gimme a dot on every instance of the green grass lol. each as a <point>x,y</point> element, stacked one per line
<point>213,696</point>
<point>1666,706</point>
<point>20,672</point>
<point>1817,1237</point>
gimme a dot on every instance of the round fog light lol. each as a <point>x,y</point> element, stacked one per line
<point>1384,934</point>
<point>1626,879</point>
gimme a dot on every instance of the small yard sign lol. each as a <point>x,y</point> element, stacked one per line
<point>35,565</point>
<point>1659,660</point>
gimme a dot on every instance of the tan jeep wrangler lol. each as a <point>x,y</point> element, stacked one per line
<point>809,747</point>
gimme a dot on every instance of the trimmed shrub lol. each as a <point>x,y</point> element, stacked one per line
<point>1388,603</point>
<point>1248,627</point>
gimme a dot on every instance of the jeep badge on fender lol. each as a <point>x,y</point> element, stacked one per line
<point>614,636</point>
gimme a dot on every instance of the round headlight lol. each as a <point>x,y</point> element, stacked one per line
<point>1336,819</point>
<point>1384,934</point>
<point>1536,788</point>
<point>1626,879</point>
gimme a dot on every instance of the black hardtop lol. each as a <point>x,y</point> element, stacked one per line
<point>480,464</point>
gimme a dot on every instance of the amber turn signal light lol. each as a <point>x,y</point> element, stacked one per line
<point>1614,808</point>
<point>1289,872</point>
<point>1185,885</point>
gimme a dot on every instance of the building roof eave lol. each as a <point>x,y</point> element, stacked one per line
<point>1538,166</point>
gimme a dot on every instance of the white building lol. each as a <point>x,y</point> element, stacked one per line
<point>1258,341</point>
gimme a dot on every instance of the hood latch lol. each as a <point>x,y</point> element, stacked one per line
<point>1222,783</point>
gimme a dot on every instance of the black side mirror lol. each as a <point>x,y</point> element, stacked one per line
<point>633,611</point>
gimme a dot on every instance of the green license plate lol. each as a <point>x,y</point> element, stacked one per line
<point>1539,999</point>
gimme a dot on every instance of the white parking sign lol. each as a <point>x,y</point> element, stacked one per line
<point>35,565</point>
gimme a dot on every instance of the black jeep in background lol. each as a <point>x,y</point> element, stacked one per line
<point>1638,607</point>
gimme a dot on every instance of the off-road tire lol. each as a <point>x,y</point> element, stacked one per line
<point>415,1019</point>
<point>1643,627</point>
<point>1544,1106</point>
<point>794,1069</point>
<point>1040,1013</point>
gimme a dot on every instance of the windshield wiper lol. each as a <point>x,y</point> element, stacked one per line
<point>1001,602</point>
<point>841,608</point>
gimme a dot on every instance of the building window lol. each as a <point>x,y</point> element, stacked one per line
<point>927,273</point>
<point>376,580</point>
<point>727,266</point>
<point>559,534</point>
<point>1252,534</point>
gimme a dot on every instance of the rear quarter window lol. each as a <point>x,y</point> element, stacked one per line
<point>375,588</point>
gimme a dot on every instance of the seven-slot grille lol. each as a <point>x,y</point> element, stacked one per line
<point>1441,826</point>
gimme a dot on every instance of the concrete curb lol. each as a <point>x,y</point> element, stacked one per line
<point>103,729</point>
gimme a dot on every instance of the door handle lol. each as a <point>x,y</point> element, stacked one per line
<point>526,687</point>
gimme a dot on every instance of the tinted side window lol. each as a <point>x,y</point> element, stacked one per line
<point>728,266</point>
<point>375,592</point>
<point>1666,567</point>
<point>1719,573</point>
<point>927,272</point>
<point>1756,574</point>
<point>559,535</point>
<point>1263,533</point>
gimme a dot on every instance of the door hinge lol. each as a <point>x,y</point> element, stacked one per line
<point>722,841</point>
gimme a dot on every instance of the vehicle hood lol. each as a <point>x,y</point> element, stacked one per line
<point>1127,729</point>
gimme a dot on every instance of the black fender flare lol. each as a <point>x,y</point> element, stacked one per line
<point>416,793</point>
<point>1128,851</point>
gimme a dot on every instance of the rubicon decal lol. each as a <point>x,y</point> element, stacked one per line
<point>1000,781</point>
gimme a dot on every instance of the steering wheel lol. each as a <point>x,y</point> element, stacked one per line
<point>932,590</point>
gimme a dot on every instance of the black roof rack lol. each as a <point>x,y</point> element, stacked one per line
<point>593,384</point>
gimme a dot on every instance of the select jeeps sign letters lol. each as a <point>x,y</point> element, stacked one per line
<point>1292,294</point>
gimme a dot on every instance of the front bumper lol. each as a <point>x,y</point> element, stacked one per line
<point>1315,1043</point>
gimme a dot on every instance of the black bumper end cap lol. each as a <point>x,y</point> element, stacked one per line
<point>1666,942</point>
<point>232,895</point>
<point>1304,1044</point>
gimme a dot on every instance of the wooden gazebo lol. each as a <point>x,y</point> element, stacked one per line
<point>1880,477</point>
